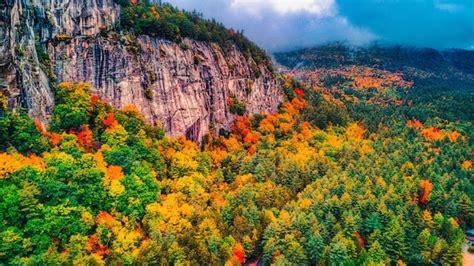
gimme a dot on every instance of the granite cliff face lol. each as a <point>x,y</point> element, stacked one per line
<point>186,86</point>
<point>24,24</point>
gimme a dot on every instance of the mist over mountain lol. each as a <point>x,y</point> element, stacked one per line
<point>384,56</point>
<point>285,25</point>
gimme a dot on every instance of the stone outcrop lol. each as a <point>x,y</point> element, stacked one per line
<point>184,86</point>
<point>24,24</point>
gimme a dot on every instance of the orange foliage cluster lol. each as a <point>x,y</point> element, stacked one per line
<point>283,121</point>
<point>432,133</point>
<point>94,99</point>
<point>355,131</point>
<point>10,163</point>
<point>114,172</point>
<point>251,138</point>
<point>218,200</point>
<point>85,138</point>
<point>54,138</point>
<point>105,217</point>
<point>110,121</point>
<point>84,135</point>
<point>94,246</point>
<point>241,127</point>
<point>356,77</point>
<point>426,187</point>
<point>252,149</point>
<point>415,123</point>
<point>305,128</point>
<point>466,164</point>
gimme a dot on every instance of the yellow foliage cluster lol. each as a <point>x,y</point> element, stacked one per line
<point>10,163</point>
<point>172,213</point>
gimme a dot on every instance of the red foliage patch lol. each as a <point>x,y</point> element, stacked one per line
<point>252,149</point>
<point>299,92</point>
<point>110,121</point>
<point>241,127</point>
<point>39,126</point>
<point>360,240</point>
<point>239,252</point>
<point>54,138</point>
<point>85,138</point>
<point>251,138</point>
<point>94,99</point>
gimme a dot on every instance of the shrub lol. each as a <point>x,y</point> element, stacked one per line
<point>236,106</point>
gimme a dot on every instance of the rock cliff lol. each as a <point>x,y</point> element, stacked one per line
<point>24,24</point>
<point>185,86</point>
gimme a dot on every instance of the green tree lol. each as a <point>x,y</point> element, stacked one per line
<point>394,241</point>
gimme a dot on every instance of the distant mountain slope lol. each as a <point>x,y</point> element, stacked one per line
<point>442,82</point>
<point>442,68</point>
<point>390,57</point>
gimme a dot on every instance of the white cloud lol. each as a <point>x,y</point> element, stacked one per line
<point>318,7</point>
<point>447,7</point>
<point>282,24</point>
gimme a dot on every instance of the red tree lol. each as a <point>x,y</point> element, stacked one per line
<point>110,121</point>
<point>239,252</point>
<point>299,92</point>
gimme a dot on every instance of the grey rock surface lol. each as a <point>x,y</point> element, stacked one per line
<point>184,86</point>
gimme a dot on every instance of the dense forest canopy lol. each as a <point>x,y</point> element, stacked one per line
<point>368,161</point>
<point>316,183</point>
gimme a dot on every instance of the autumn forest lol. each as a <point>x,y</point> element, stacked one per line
<point>363,164</point>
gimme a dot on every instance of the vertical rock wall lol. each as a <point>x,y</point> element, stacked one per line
<point>24,25</point>
<point>186,87</point>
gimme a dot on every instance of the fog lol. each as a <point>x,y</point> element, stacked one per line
<point>279,25</point>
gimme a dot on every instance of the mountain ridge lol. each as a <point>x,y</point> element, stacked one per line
<point>370,55</point>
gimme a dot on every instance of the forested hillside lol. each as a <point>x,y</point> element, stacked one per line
<point>310,184</point>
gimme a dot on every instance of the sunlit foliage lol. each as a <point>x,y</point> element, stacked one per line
<point>100,186</point>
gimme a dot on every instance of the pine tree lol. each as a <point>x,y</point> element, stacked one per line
<point>314,247</point>
<point>376,253</point>
<point>452,254</point>
<point>466,210</point>
<point>394,241</point>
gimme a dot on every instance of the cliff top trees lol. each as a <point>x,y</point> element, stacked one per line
<point>166,21</point>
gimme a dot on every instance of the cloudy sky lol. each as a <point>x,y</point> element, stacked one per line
<point>288,24</point>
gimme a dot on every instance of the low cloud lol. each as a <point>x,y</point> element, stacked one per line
<point>320,8</point>
<point>279,25</point>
